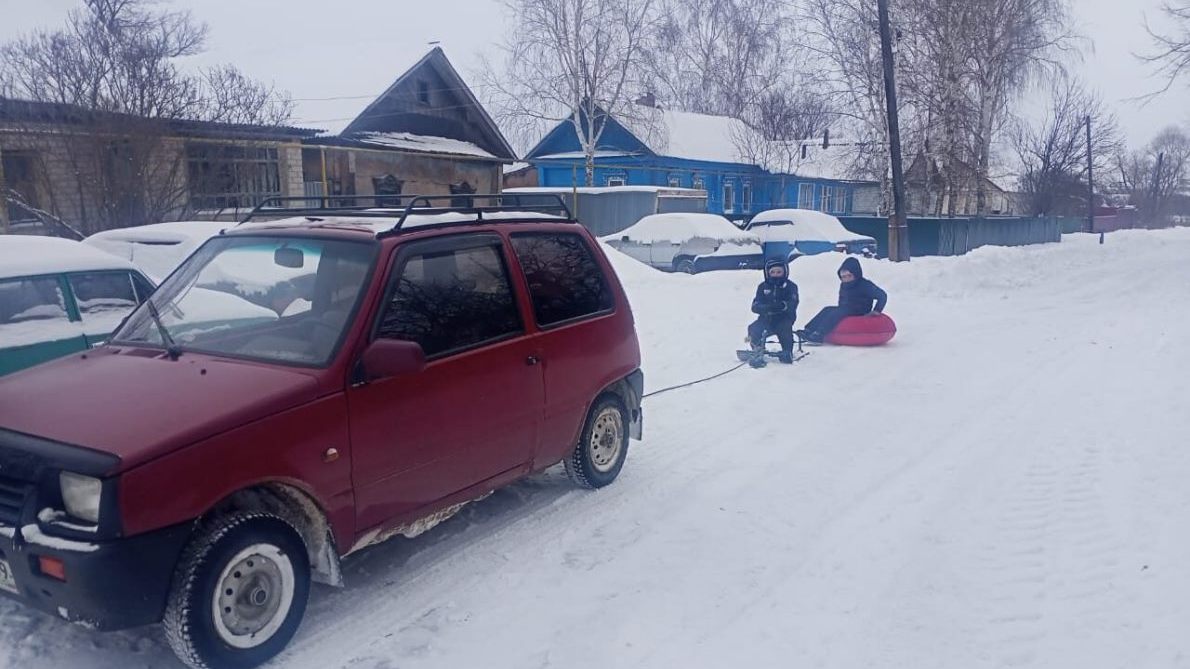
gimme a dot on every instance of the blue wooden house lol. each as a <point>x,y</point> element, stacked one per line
<point>687,150</point>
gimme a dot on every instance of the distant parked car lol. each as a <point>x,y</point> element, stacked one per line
<point>59,297</point>
<point>810,232</point>
<point>689,242</point>
<point>158,248</point>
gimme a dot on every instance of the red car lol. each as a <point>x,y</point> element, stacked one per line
<point>296,391</point>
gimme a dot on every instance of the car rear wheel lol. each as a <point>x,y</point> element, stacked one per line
<point>603,446</point>
<point>686,266</point>
<point>239,592</point>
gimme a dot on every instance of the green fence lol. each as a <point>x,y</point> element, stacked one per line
<point>956,236</point>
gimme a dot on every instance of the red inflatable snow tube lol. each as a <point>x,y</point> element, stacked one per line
<point>863,331</point>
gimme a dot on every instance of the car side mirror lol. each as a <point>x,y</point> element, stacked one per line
<point>388,358</point>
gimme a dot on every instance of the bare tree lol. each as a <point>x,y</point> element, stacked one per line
<point>1171,45</point>
<point>722,56</point>
<point>845,37</point>
<point>113,73</point>
<point>1053,153</point>
<point>1158,177</point>
<point>579,61</point>
<point>1013,42</point>
<point>234,97</point>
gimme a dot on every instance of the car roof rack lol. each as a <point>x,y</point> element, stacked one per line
<point>403,206</point>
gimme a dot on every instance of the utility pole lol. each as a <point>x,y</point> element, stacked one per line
<point>1155,191</point>
<point>3,200</point>
<point>1090,182</point>
<point>898,227</point>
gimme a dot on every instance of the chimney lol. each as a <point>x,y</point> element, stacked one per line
<point>826,138</point>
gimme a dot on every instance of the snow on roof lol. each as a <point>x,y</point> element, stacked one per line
<point>684,226</point>
<point>579,155</point>
<point>425,143</point>
<point>22,255</point>
<point>800,225</point>
<point>700,137</point>
<point>605,190</point>
<point>516,167</point>
<point>172,232</point>
<point>836,162</point>
<point>158,248</point>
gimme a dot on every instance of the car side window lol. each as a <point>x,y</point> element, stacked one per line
<point>565,281</point>
<point>29,306</point>
<point>451,300</point>
<point>103,298</point>
<point>143,288</point>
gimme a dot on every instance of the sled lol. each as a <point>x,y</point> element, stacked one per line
<point>760,358</point>
<point>863,331</point>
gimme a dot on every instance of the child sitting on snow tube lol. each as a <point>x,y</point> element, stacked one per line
<point>857,297</point>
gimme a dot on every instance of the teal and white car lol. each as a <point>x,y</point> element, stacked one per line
<point>59,297</point>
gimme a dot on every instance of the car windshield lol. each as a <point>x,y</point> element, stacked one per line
<point>279,299</point>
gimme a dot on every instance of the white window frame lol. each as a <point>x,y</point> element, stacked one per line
<point>728,197</point>
<point>675,182</point>
<point>746,195</point>
<point>805,196</point>
<point>839,203</point>
<point>824,205</point>
<point>700,183</point>
<point>622,181</point>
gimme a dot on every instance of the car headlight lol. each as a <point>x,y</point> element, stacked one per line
<point>81,495</point>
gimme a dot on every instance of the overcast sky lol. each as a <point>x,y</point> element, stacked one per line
<point>355,48</point>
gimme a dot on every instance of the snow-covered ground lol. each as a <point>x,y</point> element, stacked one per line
<point>1005,485</point>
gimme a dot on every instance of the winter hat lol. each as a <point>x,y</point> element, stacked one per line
<point>776,262</point>
<point>851,264</point>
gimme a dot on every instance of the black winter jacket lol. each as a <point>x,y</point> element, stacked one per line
<point>776,299</point>
<point>857,297</point>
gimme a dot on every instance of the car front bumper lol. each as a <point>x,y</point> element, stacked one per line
<point>110,585</point>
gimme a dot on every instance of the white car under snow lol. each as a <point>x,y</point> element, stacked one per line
<point>809,232</point>
<point>689,242</point>
<point>158,248</point>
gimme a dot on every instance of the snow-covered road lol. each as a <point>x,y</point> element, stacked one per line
<point>1006,485</point>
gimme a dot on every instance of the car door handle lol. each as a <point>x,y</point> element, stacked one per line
<point>532,360</point>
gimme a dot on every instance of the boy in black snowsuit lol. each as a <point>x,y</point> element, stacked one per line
<point>775,305</point>
<point>857,297</point>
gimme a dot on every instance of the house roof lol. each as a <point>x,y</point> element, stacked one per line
<point>29,111</point>
<point>404,141</point>
<point>494,142</point>
<point>719,139</point>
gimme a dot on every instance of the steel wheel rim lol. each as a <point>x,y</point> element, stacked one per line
<point>254,596</point>
<point>607,439</point>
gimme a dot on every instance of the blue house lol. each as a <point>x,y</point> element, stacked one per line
<point>686,150</point>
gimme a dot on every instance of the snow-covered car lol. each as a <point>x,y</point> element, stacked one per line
<point>59,297</point>
<point>810,232</point>
<point>689,242</point>
<point>159,248</point>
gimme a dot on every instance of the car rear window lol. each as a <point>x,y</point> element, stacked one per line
<point>565,281</point>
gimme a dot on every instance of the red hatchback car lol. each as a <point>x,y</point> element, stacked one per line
<point>300,389</point>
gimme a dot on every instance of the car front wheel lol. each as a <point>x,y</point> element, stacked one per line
<point>239,592</point>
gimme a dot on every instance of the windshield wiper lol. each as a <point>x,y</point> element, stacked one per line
<point>171,347</point>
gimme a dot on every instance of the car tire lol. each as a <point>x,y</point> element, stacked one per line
<point>243,575</point>
<point>685,266</point>
<point>599,455</point>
